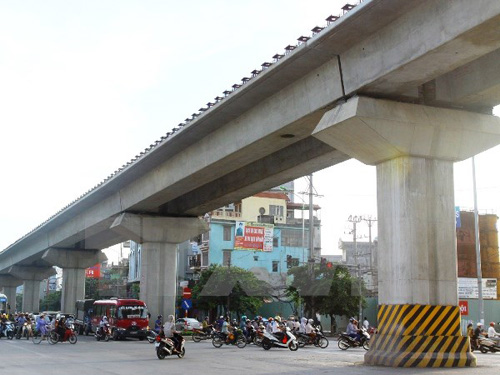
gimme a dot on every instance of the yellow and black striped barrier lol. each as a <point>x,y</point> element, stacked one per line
<point>419,336</point>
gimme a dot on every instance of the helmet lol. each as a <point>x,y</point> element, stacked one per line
<point>270,319</point>
<point>310,321</point>
<point>492,324</point>
<point>277,318</point>
<point>221,317</point>
<point>160,316</point>
<point>479,324</point>
<point>244,317</point>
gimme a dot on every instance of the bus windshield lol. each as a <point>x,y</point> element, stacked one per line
<point>132,312</point>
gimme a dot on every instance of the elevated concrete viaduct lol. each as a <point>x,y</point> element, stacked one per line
<point>405,85</point>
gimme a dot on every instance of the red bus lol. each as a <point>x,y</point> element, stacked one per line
<point>126,317</point>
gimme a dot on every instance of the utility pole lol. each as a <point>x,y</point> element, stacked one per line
<point>478,247</point>
<point>311,219</point>
<point>369,220</point>
<point>355,220</point>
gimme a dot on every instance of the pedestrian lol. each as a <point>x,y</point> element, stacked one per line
<point>366,324</point>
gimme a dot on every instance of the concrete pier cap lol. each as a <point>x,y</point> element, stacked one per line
<point>413,147</point>
<point>149,228</point>
<point>376,130</point>
<point>71,258</point>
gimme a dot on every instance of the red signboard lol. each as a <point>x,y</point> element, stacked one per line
<point>93,272</point>
<point>187,293</point>
<point>253,236</point>
<point>464,307</point>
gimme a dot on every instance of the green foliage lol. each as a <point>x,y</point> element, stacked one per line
<point>328,291</point>
<point>232,288</point>
<point>51,302</point>
<point>135,290</point>
<point>91,288</point>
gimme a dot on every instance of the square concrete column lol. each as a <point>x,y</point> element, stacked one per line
<point>414,148</point>
<point>73,262</point>
<point>31,276</point>
<point>159,237</point>
<point>10,284</point>
<point>417,240</point>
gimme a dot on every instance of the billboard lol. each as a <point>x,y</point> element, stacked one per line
<point>93,272</point>
<point>253,236</point>
<point>467,288</point>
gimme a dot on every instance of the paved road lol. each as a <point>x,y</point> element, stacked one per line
<point>21,357</point>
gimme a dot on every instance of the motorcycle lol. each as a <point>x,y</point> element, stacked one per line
<point>199,334</point>
<point>485,345</point>
<point>54,337</point>
<point>233,338</point>
<point>151,335</point>
<point>103,333</point>
<point>345,341</point>
<point>8,330</point>
<point>288,341</point>
<point>319,340</point>
<point>165,346</point>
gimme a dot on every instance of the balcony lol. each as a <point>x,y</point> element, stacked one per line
<point>226,214</point>
<point>194,261</point>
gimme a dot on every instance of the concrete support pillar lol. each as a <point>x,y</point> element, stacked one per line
<point>73,262</point>
<point>159,237</point>
<point>413,148</point>
<point>10,284</point>
<point>31,277</point>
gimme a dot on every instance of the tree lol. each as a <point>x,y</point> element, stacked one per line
<point>328,291</point>
<point>51,302</point>
<point>231,288</point>
<point>91,288</point>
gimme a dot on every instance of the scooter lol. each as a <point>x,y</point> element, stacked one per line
<point>103,333</point>
<point>288,341</point>
<point>199,334</point>
<point>8,331</point>
<point>165,346</point>
<point>345,341</point>
<point>486,345</point>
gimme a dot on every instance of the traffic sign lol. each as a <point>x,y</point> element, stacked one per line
<point>186,293</point>
<point>187,304</point>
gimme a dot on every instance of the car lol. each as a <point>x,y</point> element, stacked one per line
<point>187,324</point>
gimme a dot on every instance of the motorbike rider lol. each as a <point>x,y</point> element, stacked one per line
<point>352,329</point>
<point>3,323</point>
<point>276,328</point>
<point>19,324</point>
<point>478,332</point>
<point>170,332</point>
<point>102,324</point>
<point>302,326</point>
<point>41,325</point>
<point>61,328</point>
<point>492,334</point>
<point>310,329</point>
<point>158,323</point>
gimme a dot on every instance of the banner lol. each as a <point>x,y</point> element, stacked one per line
<point>253,236</point>
<point>467,288</point>
<point>93,272</point>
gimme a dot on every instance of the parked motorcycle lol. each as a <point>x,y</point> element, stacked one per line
<point>199,334</point>
<point>8,330</point>
<point>234,338</point>
<point>165,346</point>
<point>318,340</point>
<point>103,333</point>
<point>287,341</point>
<point>345,341</point>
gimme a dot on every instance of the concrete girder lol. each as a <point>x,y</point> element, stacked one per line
<point>285,165</point>
<point>430,40</point>
<point>474,85</point>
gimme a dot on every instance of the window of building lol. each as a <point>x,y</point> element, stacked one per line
<point>226,258</point>
<point>275,210</point>
<point>275,265</point>
<point>293,237</point>
<point>275,241</point>
<point>204,258</point>
<point>226,236</point>
<point>292,262</point>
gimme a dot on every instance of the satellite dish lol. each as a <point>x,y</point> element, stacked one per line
<point>262,210</point>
